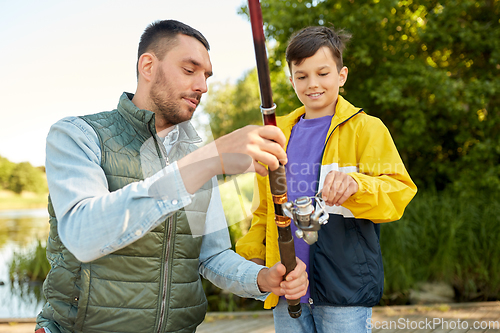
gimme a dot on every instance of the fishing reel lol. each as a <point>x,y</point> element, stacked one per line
<point>307,219</point>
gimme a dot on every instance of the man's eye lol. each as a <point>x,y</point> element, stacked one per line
<point>188,71</point>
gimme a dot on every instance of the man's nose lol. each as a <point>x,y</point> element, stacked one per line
<point>200,84</point>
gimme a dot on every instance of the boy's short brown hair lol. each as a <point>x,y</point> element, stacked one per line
<point>308,41</point>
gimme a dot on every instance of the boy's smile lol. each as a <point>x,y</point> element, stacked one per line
<point>315,95</point>
<point>316,81</point>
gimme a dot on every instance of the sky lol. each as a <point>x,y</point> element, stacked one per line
<point>70,58</point>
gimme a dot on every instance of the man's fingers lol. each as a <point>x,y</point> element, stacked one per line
<point>276,154</point>
<point>273,133</point>
<point>277,271</point>
<point>269,158</point>
<point>259,168</point>
<point>268,151</point>
<point>297,271</point>
<point>263,144</point>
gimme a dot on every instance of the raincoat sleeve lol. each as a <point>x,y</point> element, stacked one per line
<point>385,187</point>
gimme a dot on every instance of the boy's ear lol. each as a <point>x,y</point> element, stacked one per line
<point>343,76</point>
<point>291,81</point>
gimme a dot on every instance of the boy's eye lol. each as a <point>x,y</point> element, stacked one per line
<point>323,74</point>
<point>301,77</point>
<point>189,71</point>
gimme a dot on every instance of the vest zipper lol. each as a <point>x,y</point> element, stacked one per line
<point>169,222</point>
<point>165,297</point>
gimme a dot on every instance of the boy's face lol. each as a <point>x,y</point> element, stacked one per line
<point>316,82</point>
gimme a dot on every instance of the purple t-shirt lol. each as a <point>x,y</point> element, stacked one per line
<point>304,152</point>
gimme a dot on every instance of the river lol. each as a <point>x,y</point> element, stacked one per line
<point>20,231</point>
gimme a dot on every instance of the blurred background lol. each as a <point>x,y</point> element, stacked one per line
<point>429,69</point>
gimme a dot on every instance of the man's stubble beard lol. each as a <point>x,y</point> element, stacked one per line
<point>164,102</point>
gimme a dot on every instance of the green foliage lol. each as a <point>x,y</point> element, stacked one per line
<point>236,195</point>
<point>444,237</point>
<point>6,168</point>
<point>31,266</point>
<point>233,106</point>
<point>25,177</point>
<point>22,177</point>
<point>230,107</point>
<point>430,70</point>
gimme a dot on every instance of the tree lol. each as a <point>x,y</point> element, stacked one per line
<point>25,177</point>
<point>230,107</point>
<point>6,168</point>
<point>233,106</point>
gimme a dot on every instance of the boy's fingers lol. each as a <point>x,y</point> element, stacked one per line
<point>325,193</point>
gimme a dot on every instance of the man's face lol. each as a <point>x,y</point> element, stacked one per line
<point>316,81</point>
<point>180,80</point>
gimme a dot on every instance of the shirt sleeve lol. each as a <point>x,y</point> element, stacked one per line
<point>221,265</point>
<point>92,221</point>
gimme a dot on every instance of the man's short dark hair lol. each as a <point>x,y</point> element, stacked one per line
<point>308,41</point>
<point>160,36</point>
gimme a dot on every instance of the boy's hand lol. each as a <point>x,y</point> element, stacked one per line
<point>338,187</point>
<point>295,286</point>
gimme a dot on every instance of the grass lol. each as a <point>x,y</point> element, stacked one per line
<point>30,266</point>
<point>236,195</point>
<point>26,200</point>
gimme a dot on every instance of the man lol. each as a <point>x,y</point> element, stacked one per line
<point>124,215</point>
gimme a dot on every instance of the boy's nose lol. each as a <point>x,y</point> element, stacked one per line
<point>313,83</point>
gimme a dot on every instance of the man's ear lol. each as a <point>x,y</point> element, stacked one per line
<point>343,76</point>
<point>145,66</point>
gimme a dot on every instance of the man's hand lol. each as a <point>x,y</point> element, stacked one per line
<point>338,187</point>
<point>234,153</point>
<point>242,149</point>
<point>295,286</point>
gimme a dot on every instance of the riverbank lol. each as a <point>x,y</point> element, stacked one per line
<point>26,200</point>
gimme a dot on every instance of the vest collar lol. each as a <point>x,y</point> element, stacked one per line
<point>144,120</point>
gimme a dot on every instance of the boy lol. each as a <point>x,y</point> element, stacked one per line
<point>335,149</point>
